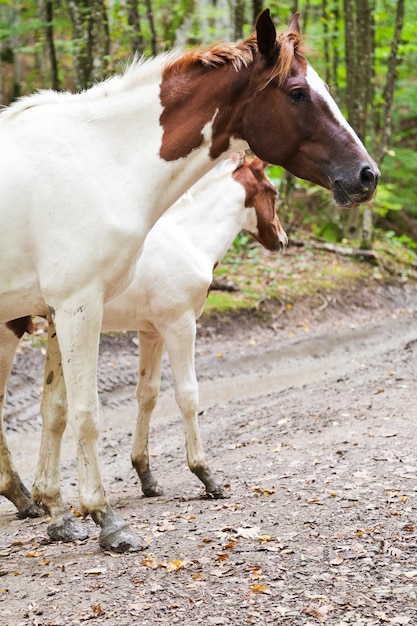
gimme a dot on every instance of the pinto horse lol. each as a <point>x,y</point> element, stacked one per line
<point>83,177</point>
<point>167,295</point>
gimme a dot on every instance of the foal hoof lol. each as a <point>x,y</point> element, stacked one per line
<point>150,487</point>
<point>70,529</point>
<point>30,509</point>
<point>153,491</point>
<point>121,539</point>
<point>216,494</point>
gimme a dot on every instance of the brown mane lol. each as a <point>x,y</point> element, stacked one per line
<point>239,55</point>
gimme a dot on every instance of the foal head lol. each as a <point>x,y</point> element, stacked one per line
<point>260,196</point>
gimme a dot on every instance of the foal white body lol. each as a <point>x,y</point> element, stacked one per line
<point>162,303</point>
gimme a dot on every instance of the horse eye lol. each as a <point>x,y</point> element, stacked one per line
<point>299,95</point>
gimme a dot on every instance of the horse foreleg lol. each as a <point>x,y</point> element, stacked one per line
<point>11,485</point>
<point>151,348</point>
<point>180,343</point>
<point>78,328</point>
<point>46,489</point>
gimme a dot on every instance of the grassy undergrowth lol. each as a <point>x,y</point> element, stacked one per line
<point>303,270</point>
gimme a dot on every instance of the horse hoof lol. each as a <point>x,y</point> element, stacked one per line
<point>216,494</point>
<point>152,491</point>
<point>68,530</point>
<point>150,487</point>
<point>30,510</point>
<point>122,539</point>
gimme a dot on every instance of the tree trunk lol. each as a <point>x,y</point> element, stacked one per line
<point>359,51</point>
<point>149,13</point>
<point>133,19</point>
<point>91,40</point>
<point>257,6</point>
<point>49,28</point>
<point>239,18</point>
<point>383,138</point>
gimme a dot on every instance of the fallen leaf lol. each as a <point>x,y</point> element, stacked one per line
<point>338,559</point>
<point>5,551</point>
<point>149,562</point>
<point>260,589</point>
<point>95,571</point>
<point>176,564</point>
<point>249,533</point>
<point>264,492</point>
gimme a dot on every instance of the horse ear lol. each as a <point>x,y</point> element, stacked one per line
<point>266,34</point>
<point>294,25</point>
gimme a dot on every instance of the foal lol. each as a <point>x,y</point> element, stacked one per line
<point>167,295</point>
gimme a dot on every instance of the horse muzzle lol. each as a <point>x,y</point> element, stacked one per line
<point>350,192</point>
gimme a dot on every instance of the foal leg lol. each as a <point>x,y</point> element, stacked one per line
<point>180,343</point>
<point>78,324</point>
<point>10,484</point>
<point>46,489</point>
<point>151,348</point>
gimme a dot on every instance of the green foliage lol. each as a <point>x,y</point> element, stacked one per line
<point>399,240</point>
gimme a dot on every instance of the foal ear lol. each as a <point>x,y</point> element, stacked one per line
<point>260,165</point>
<point>294,25</point>
<point>266,34</point>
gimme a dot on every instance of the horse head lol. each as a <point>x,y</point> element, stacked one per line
<point>291,120</point>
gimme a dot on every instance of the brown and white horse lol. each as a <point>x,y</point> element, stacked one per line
<point>83,177</point>
<point>163,301</point>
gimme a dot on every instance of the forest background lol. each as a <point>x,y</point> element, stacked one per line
<point>366,50</point>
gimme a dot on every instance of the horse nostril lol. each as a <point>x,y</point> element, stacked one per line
<point>369,178</point>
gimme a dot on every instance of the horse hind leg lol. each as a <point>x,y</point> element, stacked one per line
<point>180,343</point>
<point>11,485</point>
<point>151,348</point>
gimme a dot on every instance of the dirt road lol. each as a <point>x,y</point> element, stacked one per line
<point>309,420</point>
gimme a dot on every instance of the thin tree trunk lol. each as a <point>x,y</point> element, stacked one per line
<point>91,40</point>
<point>257,6</point>
<point>49,28</point>
<point>149,13</point>
<point>325,17</point>
<point>388,97</point>
<point>133,19</point>
<point>239,18</point>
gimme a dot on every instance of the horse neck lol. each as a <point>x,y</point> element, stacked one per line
<point>176,134</point>
<point>210,215</point>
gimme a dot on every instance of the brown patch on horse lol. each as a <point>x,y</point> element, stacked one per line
<point>215,71</point>
<point>20,326</point>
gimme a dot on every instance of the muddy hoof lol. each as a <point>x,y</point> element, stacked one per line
<point>216,494</point>
<point>153,491</point>
<point>70,529</point>
<point>150,487</point>
<point>31,509</point>
<point>121,539</point>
